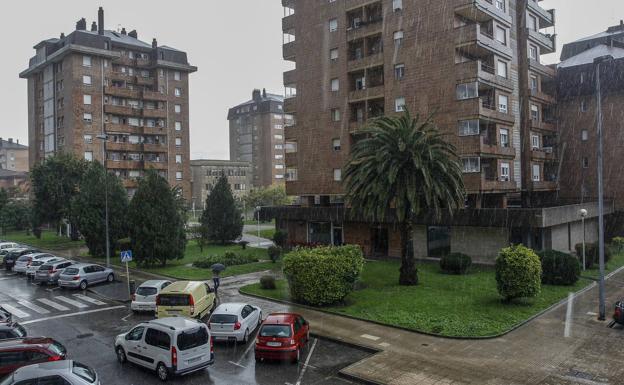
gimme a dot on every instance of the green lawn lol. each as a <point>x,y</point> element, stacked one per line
<point>49,240</point>
<point>448,305</point>
<point>266,233</point>
<point>255,222</point>
<point>616,261</point>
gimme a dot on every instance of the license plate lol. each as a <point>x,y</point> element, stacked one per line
<point>194,360</point>
<point>274,344</point>
<point>174,311</point>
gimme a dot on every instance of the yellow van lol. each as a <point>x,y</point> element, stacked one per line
<point>190,299</point>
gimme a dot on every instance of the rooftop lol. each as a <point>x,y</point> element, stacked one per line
<point>10,144</point>
<point>587,57</point>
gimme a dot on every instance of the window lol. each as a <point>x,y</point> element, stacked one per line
<point>178,126</point>
<point>504,172</point>
<point>585,162</point>
<point>501,69</point>
<point>86,80</point>
<point>279,146</point>
<point>178,92</point>
<point>500,4</point>
<point>88,139</point>
<point>584,135</point>
<point>503,100</point>
<point>178,175</point>
<point>398,37</point>
<point>468,127</point>
<point>536,173</point>
<point>397,5</point>
<point>278,137</point>
<point>471,165</point>
<point>87,117</point>
<point>532,52</point>
<point>178,142</point>
<point>279,157</point>
<point>333,54</point>
<point>583,106</point>
<point>176,75</point>
<point>86,99</point>
<point>333,25</point>
<point>467,91</point>
<point>399,104</point>
<point>399,71</point>
<point>535,142</point>
<point>157,338</point>
<point>178,158</point>
<point>533,83</point>
<point>335,85</point>
<point>86,61</point>
<point>501,35</point>
<point>335,115</point>
<point>337,174</point>
<point>279,166</point>
<point>534,112</point>
<point>279,176</point>
<point>178,109</point>
<point>291,147</point>
<point>278,127</point>
<point>336,144</point>
<point>88,155</point>
<point>504,137</point>
<point>532,23</point>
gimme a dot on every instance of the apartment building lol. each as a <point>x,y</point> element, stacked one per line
<point>108,96</point>
<point>206,173</point>
<point>474,64</point>
<point>257,137</point>
<point>13,155</point>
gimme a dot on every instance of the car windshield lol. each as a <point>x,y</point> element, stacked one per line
<point>192,338</point>
<point>46,268</point>
<point>174,300</point>
<point>223,319</point>
<point>84,372</point>
<point>279,331</point>
<point>146,290</point>
<point>24,258</point>
<point>58,348</point>
<point>37,263</point>
<point>70,271</point>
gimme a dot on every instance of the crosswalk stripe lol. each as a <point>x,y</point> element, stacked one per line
<point>34,307</point>
<point>70,301</point>
<point>94,301</point>
<point>53,304</point>
<point>16,312</point>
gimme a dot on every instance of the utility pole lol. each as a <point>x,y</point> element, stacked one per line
<point>104,139</point>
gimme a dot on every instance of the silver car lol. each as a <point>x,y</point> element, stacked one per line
<point>51,271</point>
<point>144,299</point>
<point>22,263</point>
<point>84,274</point>
<point>56,372</point>
<point>35,265</point>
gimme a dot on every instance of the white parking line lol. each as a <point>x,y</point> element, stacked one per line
<point>70,301</point>
<point>236,364</point>
<point>73,314</point>
<point>307,361</point>
<point>5,278</point>
<point>53,304</point>
<point>34,307</point>
<point>94,301</point>
<point>15,311</point>
<point>369,337</point>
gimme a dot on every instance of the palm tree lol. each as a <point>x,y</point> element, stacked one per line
<point>404,165</point>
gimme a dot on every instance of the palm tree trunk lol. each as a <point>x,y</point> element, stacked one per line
<point>409,274</point>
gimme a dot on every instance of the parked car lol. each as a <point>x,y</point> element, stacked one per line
<point>35,265</point>
<point>12,330</point>
<point>618,313</point>
<point>82,275</point>
<point>22,263</point>
<point>144,299</point>
<point>5,315</point>
<point>13,254</point>
<point>15,353</point>
<point>66,372</point>
<point>50,271</point>
<point>236,321</point>
<point>170,346</point>
<point>8,245</point>
<point>282,336</point>
<point>185,299</point>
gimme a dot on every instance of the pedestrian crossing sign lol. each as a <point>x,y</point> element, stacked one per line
<point>126,256</point>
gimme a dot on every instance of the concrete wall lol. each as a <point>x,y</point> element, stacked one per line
<point>481,243</point>
<point>564,241</point>
<point>420,242</point>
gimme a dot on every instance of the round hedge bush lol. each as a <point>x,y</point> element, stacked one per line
<point>559,268</point>
<point>322,276</point>
<point>455,263</point>
<point>592,256</point>
<point>518,273</point>
<point>267,282</point>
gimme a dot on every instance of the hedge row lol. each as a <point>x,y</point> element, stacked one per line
<point>228,259</point>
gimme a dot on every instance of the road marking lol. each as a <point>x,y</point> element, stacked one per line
<point>384,344</point>
<point>89,299</point>
<point>239,365</point>
<point>70,301</point>
<point>306,363</point>
<point>125,319</point>
<point>568,320</point>
<point>52,289</point>
<point>591,313</point>
<point>369,337</point>
<point>53,304</point>
<point>6,278</point>
<point>73,314</point>
<point>34,307</point>
<point>16,312</point>
<point>251,345</point>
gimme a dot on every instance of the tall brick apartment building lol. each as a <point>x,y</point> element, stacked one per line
<point>98,82</point>
<point>477,64</point>
<point>257,137</point>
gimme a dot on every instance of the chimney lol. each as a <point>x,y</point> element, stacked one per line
<point>134,34</point>
<point>264,92</point>
<point>123,31</point>
<point>94,27</point>
<point>255,95</point>
<point>62,35</point>
<point>10,140</point>
<point>81,25</point>
<point>17,140</point>
<point>101,21</point>
<point>154,43</point>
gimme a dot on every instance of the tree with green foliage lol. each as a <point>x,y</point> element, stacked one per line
<point>518,273</point>
<point>402,167</point>
<point>4,198</point>
<point>88,209</point>
<point>156,221</point>
<point>221,218</point>
<point>266,196</point>
<point>16,215</point>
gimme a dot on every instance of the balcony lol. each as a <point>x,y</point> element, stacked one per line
<point>154,130</point>
<point>547,43</point>
<point>123,164</point>
<point>366,61</point>
<point>490,148</point>
<point>482,10</point>
<point>291,159</point>
<point>288,51</point>
<point>122,92</point>
<point>143,62</point>
<point>367,93</point>
<point>542,96</point>
<point>112,128</point>
<point>472,41</point>
<point>478,183</point>
<point>546,17</point>
<point>154,95</point>
<point>538,67</point>
<point>480,71</point>
<point>364,29</point>
<point>153,147</point>
<point>288,3</point>
<point>545,186</point>
<point>480,108</point>
<point>364,20</point>
<point>158,165</point>
<point>123,146</point>
<point>288,23</point>
<point>290,77</point>
<point>120,76</point>
<point>290,104</point>
<point>549,125</point>
<point>544,154</point>
<point>154,113</point>
<point>144,81</point>
<point>121,110</point>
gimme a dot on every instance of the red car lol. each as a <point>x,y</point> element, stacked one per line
<point>18,352</point>
<point>282,336</point>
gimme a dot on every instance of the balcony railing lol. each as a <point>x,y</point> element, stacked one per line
<point>547,43</point>
<point>474,41</point>
<point>482,10</point>
<point>546,17</point>
<point>288,51</point>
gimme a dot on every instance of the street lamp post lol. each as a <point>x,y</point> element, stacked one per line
<point>258,226</point>
<point>104,139</point>
<point>583,213</point>
<point>601,283</point>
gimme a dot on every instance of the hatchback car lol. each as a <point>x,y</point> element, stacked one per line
<point>50,271</point>
<point>15,353</point>
<point>13,254</point>
<point>282,336</point>
<point>12,330</point>
<point>22,263</point>
<point>234,321</point>
<point>171,346</point>
<point>144,299</point>
<point>35,265</point>
<point>82,275</point>
<point>54,373</point>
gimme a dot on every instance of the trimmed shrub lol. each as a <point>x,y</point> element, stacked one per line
<point>455,263</point>
<point>618,244</point>
<point>518,273</point>
<point>280,238</point>
<point>267,282</point>
<point>559,268</point>
<point>124,244</point>
<point>324,275</point>
<point>228,259</point>
<point>243,244</point>
<point>274,253</point>
<point>592,256</point>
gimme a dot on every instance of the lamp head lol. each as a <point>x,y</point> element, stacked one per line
<point>583,213</point>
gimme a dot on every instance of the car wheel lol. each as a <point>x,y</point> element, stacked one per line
<point>308,336</point>
<point>297,357</point>
<point>260,319</point>
<point>214,305</point>
<point>121,355</point>
<point>83,285</point>
<point>162,371</point>
<point>246,336</point>
<point>110,278</point>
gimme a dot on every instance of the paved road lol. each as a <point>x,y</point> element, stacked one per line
<point>87,324</point>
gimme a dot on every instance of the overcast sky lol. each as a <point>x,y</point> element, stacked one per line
<point>235,43</point>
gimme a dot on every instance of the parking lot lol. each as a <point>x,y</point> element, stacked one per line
<point>87,324</point>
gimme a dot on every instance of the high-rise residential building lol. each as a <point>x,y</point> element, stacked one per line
<point>97,91</point>
<point>206,173</point>
<point>474,64</point>
<point>257,137</point>
<point>13,155</point>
